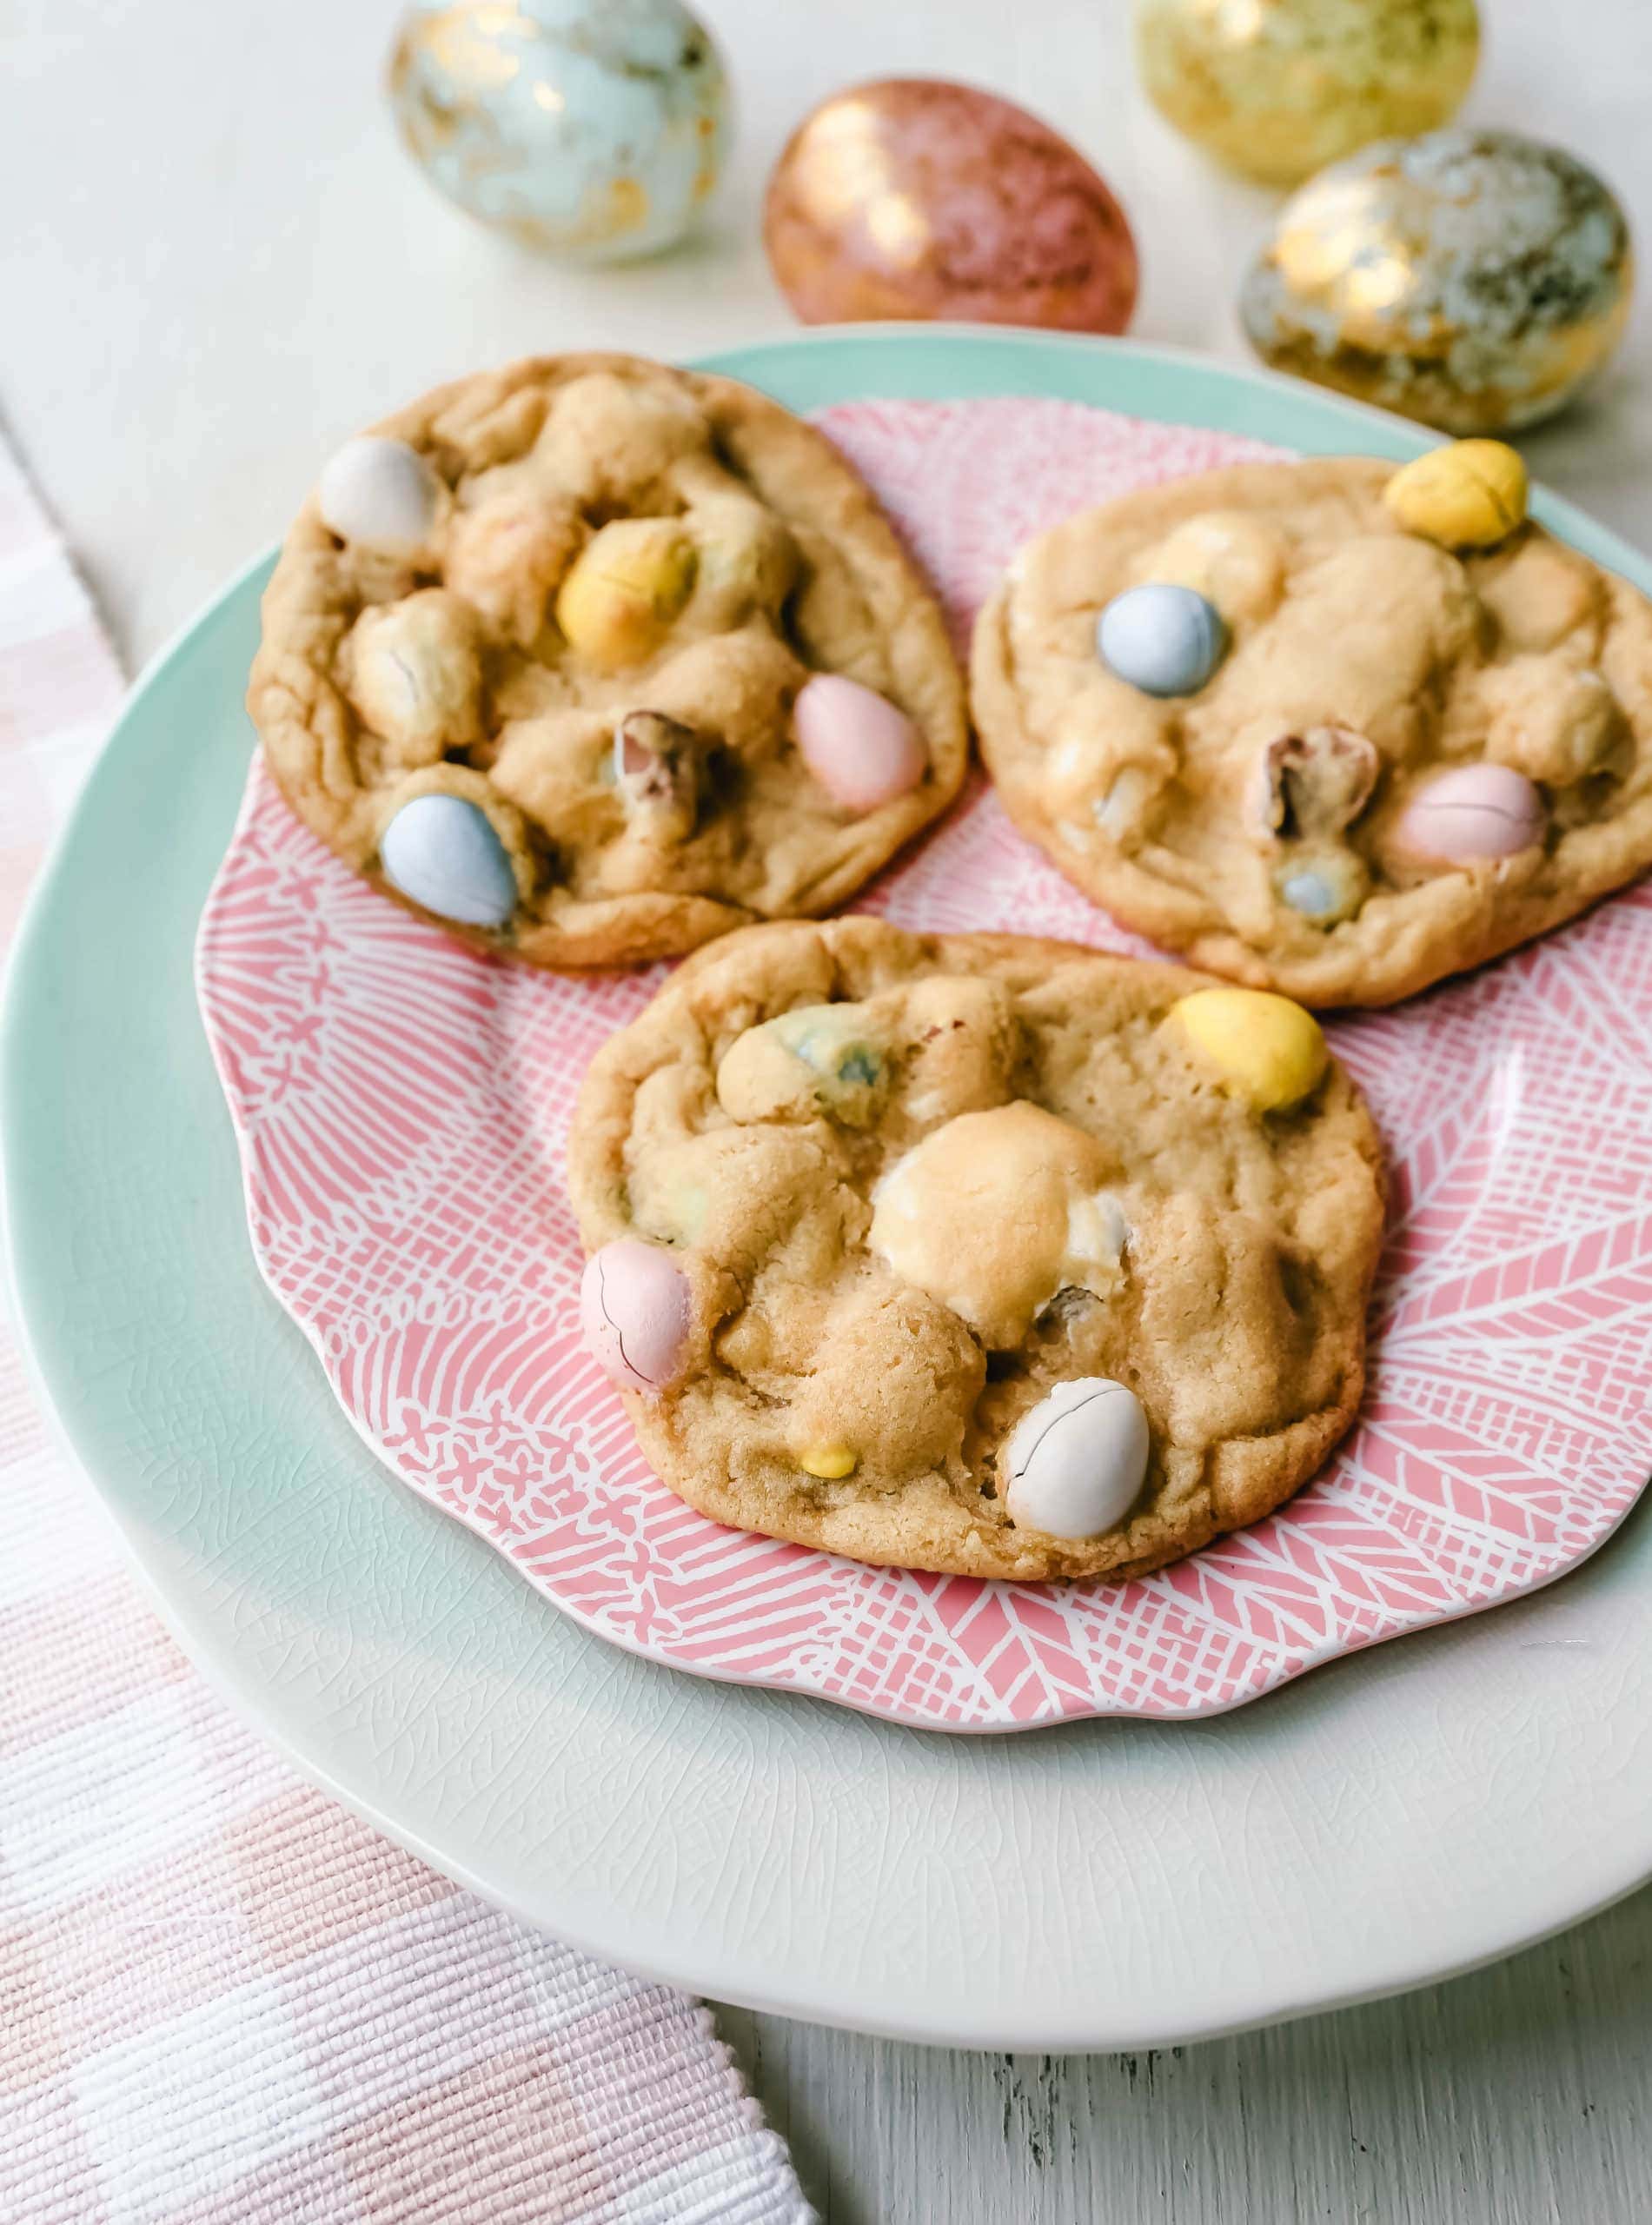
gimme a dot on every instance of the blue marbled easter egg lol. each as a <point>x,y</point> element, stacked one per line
<point>442,852</point>
<point>592,129</point>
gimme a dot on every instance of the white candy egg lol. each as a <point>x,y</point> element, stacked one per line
<point>442,852</point>
<point>380,493</point>
<point>1073,1467</point>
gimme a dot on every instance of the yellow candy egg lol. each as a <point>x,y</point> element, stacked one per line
<point>830,1463</point>
<point>1470,494</point>
<point>625,589</point>
<point>1265,1046</point>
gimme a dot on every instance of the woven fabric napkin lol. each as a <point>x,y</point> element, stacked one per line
<point>222,1999</point>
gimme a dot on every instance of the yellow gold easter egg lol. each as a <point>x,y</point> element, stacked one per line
<point>1279,88</point>
<point>1472,280</point>
<point>1265,1046</point>
<point>1471,495</point>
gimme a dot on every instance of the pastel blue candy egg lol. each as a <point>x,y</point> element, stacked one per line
<point>1311,894</point>
<point>442,852</point>
<point>1165,639</point>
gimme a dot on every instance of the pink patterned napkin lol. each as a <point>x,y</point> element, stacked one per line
<point>223,2001</point>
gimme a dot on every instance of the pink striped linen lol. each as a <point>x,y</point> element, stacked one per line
<point>223,2001</point>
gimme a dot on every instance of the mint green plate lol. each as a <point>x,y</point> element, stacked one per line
<point>1390,1818</point>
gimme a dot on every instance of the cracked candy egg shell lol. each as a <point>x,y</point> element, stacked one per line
<point>1004,1166</point>
<point>1523,655</point>
<point>595,538</point>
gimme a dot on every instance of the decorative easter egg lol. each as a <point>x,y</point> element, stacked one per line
<point>1166,640</point>
<point>1470,495</point>
<point>634,1313</point>
<point>1278,88</point>
<point>442,852</point>
<point>1472,813</point>
<point>1473,279</point>
<point>1074,1466</point>
<point>1265,1046</point>
<point>912,197</point>
<point>592,129</point>
<point>380,493</point>
<point>863,751</point>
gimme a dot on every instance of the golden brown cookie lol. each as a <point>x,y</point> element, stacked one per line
<point>593,660</point>
<point>975,1254</point>
<point>1406,759</point>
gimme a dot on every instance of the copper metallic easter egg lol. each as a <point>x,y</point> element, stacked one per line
<point>1278,88</point>
<point>1472,280</point>
<point>911,197</point>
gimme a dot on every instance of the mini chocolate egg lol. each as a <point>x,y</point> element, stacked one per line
<point>861,748</point>
<point>1473,279</point>
<point>1468,494</point>
<point>1165,639</point>
<point>1471,813</point>
<point>594,129</point>
<point>442,852</point>
<point>1075,1465</point>
<point>830,1462</point>
<point>380,493</point>
<point>657,767</point>
<point>1313,783</point>
<point>634,1313</point>
<point>1323,888</point>
<point>1262,1045</point>
<point>1277,88</point>
<point>913,197</point>
<point>625,587</point>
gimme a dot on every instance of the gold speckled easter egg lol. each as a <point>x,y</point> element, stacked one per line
<point>1279,88</point>
<point>1472,280</point>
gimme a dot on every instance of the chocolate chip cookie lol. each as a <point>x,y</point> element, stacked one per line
<point>592,660</point>
<point>975,1254</point>
<point>1323,727</point>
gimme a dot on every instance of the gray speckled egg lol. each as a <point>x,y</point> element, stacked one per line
<point>1470,279</point>
<point>592,129</point>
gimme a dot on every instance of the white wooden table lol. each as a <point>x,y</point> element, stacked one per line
<point>216,263</point>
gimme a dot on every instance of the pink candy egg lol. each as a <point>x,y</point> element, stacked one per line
<point>861,749</point>
<point>633,1311</point>
<point>1473,812</point>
